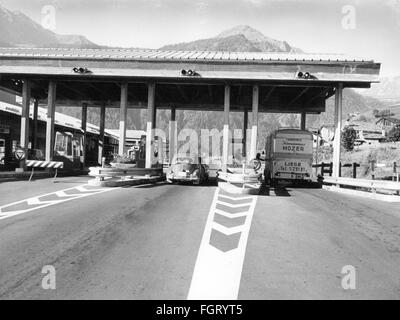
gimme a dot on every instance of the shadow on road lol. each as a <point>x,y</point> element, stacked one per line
<point>282,191</point>
<point>278,191</point>
<point>209,183</point>
<point>64,181</point>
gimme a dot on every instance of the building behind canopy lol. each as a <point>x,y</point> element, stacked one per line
<point>181,80</point>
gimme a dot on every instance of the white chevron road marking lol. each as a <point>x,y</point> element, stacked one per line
<point>36,203</point>
<point>231,215</point>
<point>225,230</point>
<point>230,205</point>
<point>235,198</point>
<point>217,274</point>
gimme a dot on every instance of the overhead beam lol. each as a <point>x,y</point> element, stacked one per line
<point>182,93</point>
<point>297,97</point>
<point>210,94</point>
<point>72,89</point>
<point>268,95</point>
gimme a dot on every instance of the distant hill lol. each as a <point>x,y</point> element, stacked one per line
<point>387,90</point>
<point>18,30</point>
<point>353,102</point>
<point>239,39</point>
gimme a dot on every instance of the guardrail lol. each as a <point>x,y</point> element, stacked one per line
<point>327,168</point>
<point>373,185</point>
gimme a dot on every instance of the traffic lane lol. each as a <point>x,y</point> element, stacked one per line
<point>123,247</point>
<point>13,191</point>
<point>155,256</point>
<point>33,239</point>
<point>300,241</point>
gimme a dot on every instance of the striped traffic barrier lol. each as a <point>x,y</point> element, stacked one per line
<point>44,164</point>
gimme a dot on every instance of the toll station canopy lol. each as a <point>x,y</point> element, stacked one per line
<point>191,80</point>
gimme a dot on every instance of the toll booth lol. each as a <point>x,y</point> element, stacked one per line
<point>187,80</point>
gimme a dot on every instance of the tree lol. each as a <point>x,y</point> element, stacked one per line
<point>394,133</point>
<point>348,138</point>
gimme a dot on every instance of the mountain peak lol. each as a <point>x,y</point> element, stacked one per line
<point>248,32</point>
<point>241,38</point>
<point>18,30</point>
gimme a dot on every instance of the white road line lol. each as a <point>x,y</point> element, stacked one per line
<point>39,204</point>
<point>217,274</point>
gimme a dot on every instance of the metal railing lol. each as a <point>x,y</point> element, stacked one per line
<point>373,185</point>
<point>327,169</point>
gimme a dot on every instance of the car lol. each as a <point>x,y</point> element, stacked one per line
<point>186,169</point>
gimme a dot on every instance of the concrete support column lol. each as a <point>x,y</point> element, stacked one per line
<point>254,122</point>
<point>51,110</point>
<point>225,143</point>
<point>84,129</point>
<point>151,124</point>
<point>173,136</point>
<point>303,121</point>
<point>245,124</point>
<point>101,136</point>
<point>338,129</point>
<point>24,136</point>
<point>122,118</point>
<point>35,123</point>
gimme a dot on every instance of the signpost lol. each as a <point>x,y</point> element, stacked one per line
<point>19,155</point>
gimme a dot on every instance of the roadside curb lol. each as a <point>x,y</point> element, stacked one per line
<point>364,194</point>
<point>22,176</point>
<point>125,182</point>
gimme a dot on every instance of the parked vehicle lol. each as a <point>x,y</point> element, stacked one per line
<point>186,169</point>
<point>288,156</point>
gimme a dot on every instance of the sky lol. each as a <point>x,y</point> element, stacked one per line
<point>364,28</point>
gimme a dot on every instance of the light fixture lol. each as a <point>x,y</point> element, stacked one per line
<point>189,73</point>
<point>81,70</point>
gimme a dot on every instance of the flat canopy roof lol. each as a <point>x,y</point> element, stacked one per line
<point>277,74</point>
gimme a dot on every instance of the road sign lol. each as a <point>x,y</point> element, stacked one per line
<point>19,154</point>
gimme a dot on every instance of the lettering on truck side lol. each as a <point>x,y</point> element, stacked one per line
<point>293,148</point>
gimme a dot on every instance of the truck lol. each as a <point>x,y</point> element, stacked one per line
<point>288,156</point>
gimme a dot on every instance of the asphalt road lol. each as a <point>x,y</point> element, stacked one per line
<point>147,242</point>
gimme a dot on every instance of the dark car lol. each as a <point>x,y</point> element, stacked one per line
<point>186,169</point>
